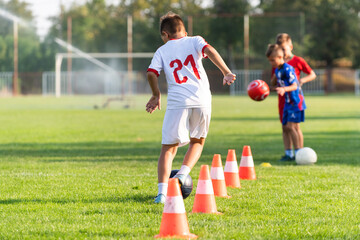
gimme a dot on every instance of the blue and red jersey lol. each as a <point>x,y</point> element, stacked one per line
<point>300,65</point>
<point>294,100</point>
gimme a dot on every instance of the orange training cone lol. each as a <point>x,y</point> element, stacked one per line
<point>231,170</point>
<point>247,169</point>
<point>174,222</point>
<point>204,198</point>
<point>217,177</point>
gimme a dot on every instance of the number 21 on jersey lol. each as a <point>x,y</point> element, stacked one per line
<point>179,65</point>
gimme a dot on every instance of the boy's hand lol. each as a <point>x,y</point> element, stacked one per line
<point>229,79</point>
<point>153,103</point>
<point>280,90</point>
<point>273,88</point>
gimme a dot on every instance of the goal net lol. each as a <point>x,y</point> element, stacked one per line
<point>105,80</point>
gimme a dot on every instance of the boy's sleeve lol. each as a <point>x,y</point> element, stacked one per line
<point>200,45</point>
<point>305,66</point>
<point>156,64</point>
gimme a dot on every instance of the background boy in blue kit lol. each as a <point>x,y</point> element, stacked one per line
<point>300,65</point>
<point>289,87</point>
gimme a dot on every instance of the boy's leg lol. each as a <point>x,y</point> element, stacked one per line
<point>194,152</point>
<point>301,136</point>
<point>295,138</point>
<point>191,157</point>
<point>287,138</point>
<point>199,122</point>
<point>167,155</point>
<point>294,125</point>
<point>285,134</point>
<point>287,142</point>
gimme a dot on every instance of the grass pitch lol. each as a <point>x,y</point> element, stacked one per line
<point>69,171</point>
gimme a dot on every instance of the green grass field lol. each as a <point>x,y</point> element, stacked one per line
<point>69,171</point>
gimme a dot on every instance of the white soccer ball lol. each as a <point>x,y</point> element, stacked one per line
<point>306,156</point>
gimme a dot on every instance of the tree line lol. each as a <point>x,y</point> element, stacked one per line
<point>324,32</point>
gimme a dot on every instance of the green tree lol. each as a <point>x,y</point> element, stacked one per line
<point>332,28</point>
<point>335,33</point>
<point>17,8</point>
<point>28,41</point>
<point>147,15</point>
<point>98,27</point>
<point>147,18</point>
<point>226,28</point>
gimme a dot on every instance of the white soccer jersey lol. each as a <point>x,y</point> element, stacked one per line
<point>188,85</point>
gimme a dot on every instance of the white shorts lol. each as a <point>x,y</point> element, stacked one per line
<point>180,123</point>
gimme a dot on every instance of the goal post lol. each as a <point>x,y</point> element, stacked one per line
<point>357,82</point>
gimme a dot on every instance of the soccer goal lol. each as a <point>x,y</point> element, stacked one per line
<point>91,82</point>
<point>107,80</point>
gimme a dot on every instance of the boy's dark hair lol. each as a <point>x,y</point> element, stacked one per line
<point>272,48</point>
<point>282,38</point>
<point>171,23</point>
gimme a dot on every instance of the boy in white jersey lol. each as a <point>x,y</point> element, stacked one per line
<point>189,97</point>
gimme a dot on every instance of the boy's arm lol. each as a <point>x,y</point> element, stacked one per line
<point>311,76</point>
<point>282,90</point>
<point>273,82</point>
<point>154,101</point>
<point>215,57</point>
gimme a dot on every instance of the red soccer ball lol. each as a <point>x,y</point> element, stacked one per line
<point>258,90</point>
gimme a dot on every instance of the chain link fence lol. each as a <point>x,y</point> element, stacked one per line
<point>98,82</point>
<point>243,78</point>
<point>6,81</point>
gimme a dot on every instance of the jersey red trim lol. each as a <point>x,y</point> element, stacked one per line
<point>153,70</point>
<point>203,50</point>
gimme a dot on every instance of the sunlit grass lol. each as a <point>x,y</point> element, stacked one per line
<point>69,171</point>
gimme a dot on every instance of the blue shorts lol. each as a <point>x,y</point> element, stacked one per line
<point>293,116</point>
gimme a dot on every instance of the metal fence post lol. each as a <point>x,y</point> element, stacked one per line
<point>357,83</point>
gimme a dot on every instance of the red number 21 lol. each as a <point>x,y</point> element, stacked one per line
<point>189,59</point>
